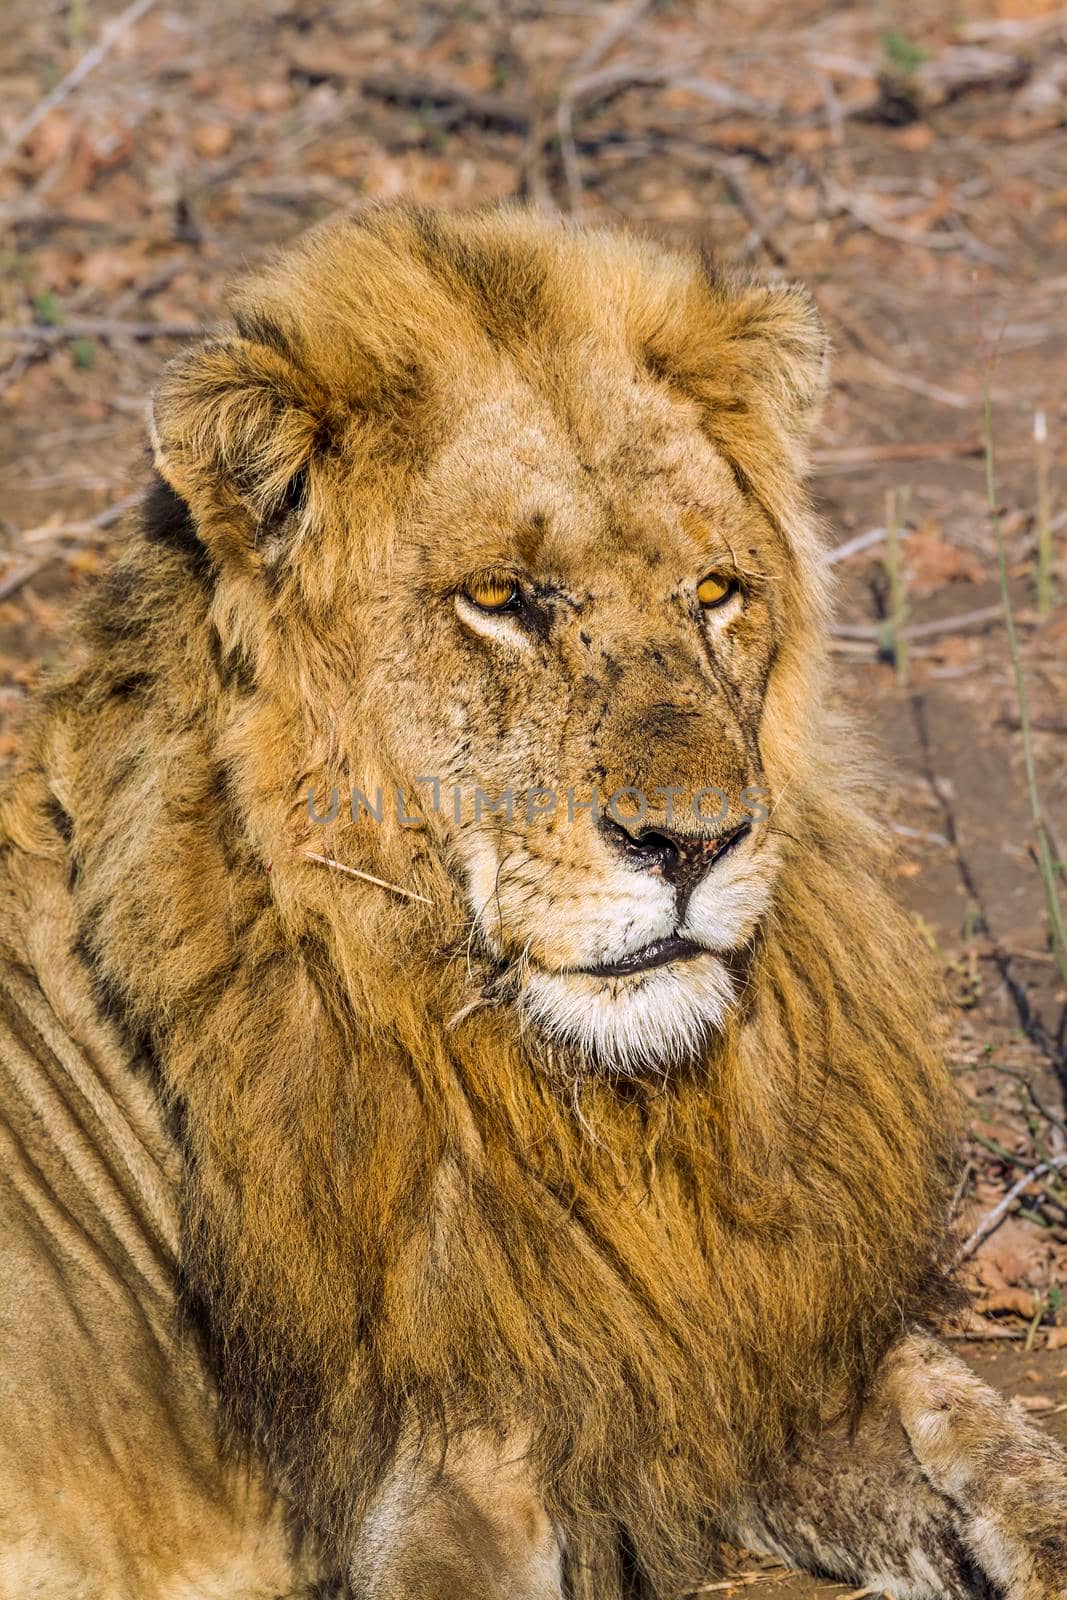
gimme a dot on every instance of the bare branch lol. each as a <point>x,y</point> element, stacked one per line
<point>921,630</point>
<point>98,328</point>
<point>492,110</point>
<point>862,455</point>
<point>111,33</point>
<point>997,1213</point>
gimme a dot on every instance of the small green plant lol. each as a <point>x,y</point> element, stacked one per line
<point>15,265</point>
<point>1045,858</point>
<point>1045,595</point>
<point>903,56</point>
<point>1047,1307</point>
<point>83,353</point>
<point>47,309</point>
<point>76,21</point>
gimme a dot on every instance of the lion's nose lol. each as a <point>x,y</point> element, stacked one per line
<point>682,859</point>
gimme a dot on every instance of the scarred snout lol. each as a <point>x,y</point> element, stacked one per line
<point>682,860</point>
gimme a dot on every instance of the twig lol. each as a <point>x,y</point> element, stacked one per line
<point>1046,863</point>
<point>1008,1159</point>
<point>582,83</point>
<point>960,238</point>
<point>1044,516</point>
<point>1012,28</point>
<point>964,619</point>
<point>597,87</point>
<point>568,153</point>
<point>996,1215</point>
<point>534,185</point>
<point>68,530</point>
<point>861,455</point>
<point>98,328</point>
<point>1037,724</point>
<point>855,546</point>
<point>588,83</point>
<point>368,877</point>
<point>743,1580</point>
<point>110,34</point>
<point>729,173</point>
<point>615,28</point>
<point>872,348</point>
<point>22,572</point>
<point>732,177</point>
<point>724,95</point>
<point>492,110</point>
<point>982,1333</point>
<point>916,385</point>
<point>835,120</point>
<point>920,630</point>
<point>895,626</point>
<point>1020,1077</point>
<point>961,1189</point>
<point>920,835</point>
<point>889,230</point>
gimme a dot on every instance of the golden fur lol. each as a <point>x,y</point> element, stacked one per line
<point>408,1210</point>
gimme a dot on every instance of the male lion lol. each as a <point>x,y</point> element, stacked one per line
<point>542,1193</point>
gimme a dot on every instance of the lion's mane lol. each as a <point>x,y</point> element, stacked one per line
<point>397,1226</point>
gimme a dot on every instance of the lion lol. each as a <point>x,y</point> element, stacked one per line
<point>474,1122</point>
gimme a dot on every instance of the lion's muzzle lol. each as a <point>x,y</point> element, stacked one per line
<point>682,860</point>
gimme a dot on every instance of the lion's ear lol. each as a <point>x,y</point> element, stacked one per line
<point>234,428</point>
<point>754,354</point>
<point>780,348</point>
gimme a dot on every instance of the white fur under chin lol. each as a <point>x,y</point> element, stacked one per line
<point>652,1020</point>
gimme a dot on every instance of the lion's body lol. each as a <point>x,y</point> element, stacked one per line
<point>113,1481</point>
<point>408,1215</point>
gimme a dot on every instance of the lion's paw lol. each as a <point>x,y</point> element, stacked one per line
<point>1008,1478</point>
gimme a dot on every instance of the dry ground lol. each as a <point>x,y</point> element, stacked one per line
<point>908,161</point>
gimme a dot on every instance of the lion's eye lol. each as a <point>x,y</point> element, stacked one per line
<point>713,589</point>
<point>492,591</point>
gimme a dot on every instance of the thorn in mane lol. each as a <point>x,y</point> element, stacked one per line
<point>354,872</point>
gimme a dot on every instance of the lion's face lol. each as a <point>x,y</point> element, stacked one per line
<point>548,568</point>
<point>580,625</point>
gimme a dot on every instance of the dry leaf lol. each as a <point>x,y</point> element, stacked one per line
<point>1018,1301</point>
<point>930,562</point>
<point>112,267</point>
<point>989,1273</point>
<point>916,136</point>
<point>273,95</point>
<point>213,139</point>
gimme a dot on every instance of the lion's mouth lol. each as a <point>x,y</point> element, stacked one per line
<point>657,954</point>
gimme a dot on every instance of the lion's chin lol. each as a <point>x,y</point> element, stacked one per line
<point>650,1020</point>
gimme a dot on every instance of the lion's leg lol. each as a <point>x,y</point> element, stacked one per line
<point>859,1509</point>
<point>468,1525</point>
<point>943,1492</point>
<point>1008,1478</point>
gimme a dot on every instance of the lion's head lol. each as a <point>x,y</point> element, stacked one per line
<point>535,491</point>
